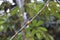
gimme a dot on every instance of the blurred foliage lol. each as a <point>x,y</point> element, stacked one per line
<point>5,4</point>
<point>14,10</point>
<point>35,31</point>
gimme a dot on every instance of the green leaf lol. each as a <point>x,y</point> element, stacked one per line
<point>1,28</point>
<point>50,37</point>
<point>34,22</point>
<point>27,29</point>
<point>2,21</point>
<point>38,35</point>
<point>39,23</point>
<point>28,35</point>
<point>31,38</point>
<point>14,11</point>
<point>42,29</point>
<point>33,32</point>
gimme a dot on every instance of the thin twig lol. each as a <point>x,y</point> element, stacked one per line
<point>30,20</point>
<point>39,11</point>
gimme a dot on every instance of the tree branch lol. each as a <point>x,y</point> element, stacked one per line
<point>30,20</point>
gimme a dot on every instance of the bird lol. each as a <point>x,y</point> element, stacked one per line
<point>26,19</point>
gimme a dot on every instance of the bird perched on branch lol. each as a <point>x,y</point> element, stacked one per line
<point>26,17</point>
